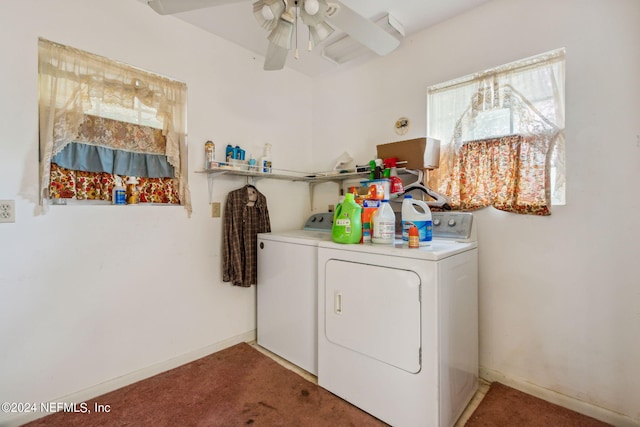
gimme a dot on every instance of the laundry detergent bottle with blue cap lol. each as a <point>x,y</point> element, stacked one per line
<point>347,221</point>
<point>420,217</point>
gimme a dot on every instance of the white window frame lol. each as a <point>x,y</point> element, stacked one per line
<point>448,101</point>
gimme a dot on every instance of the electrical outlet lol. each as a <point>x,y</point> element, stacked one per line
<point>7,211</point>
<point>215,210</point>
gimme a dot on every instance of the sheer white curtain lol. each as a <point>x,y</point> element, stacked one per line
<point>521,98</point>
<point>73,83</point>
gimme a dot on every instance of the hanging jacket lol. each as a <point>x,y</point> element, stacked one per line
<point>242,223</point>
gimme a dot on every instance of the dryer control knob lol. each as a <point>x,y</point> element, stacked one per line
<point>452,222</point>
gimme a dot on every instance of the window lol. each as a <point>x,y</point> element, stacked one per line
<point>502,136</point>
<point>100,120</point>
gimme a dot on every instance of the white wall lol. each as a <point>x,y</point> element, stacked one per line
<point>92,294</point>
<point>559,295</point>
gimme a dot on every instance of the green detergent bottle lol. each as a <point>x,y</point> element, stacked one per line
<point>347,221</point>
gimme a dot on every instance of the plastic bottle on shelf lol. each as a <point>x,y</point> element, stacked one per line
<point>209,154</point>
<point>396,183</point>
<point>253,164</point>
<point>228,153</point>
<point>238,153</point>
<point>265,160</point>
<point>133,192</point>
<point>384,224</point>
<point>422,220</point>
<point>119,196</point>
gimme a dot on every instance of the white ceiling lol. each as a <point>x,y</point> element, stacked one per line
<point>235,22</point>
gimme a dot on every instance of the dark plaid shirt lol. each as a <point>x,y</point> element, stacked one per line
<point>242,223</point>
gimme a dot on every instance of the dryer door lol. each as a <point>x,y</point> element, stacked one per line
<point>374,311</point>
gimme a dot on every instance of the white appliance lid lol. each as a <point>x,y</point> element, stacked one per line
<point>437,250</point>
<point>298,236</point>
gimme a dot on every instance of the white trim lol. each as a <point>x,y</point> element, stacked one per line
<point>560,399</point>
<point>132,377</point>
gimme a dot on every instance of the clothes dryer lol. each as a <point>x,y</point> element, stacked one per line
<point>398,327</point>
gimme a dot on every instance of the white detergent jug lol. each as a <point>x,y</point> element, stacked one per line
<point>422,220</point>
<point>384,224</point>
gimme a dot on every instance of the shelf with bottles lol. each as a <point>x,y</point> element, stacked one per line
<point>254,173</point>
<point>283,174</point>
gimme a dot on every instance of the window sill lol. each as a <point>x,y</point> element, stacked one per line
<point>74,202</point>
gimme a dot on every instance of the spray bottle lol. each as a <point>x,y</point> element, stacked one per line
<point>118,195</point>
<point>396,183</point>
<point>265,160</point>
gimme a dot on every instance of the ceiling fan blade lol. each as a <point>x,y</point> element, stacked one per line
<point>169,7</point>
<point>363,30</point>
<point>276,57</point>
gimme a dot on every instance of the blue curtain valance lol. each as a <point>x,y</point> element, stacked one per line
<point>92,158</point>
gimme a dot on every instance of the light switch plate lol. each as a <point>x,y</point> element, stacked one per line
<point>215,210</point>
<point>7,211</point>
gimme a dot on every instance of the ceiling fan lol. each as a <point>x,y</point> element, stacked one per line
<point>280,18</point>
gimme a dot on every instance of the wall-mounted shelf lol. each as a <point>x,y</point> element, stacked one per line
<point>288,175</point>
<point>282,174</point>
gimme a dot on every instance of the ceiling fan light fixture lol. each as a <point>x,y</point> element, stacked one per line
<point>315,18</point>
<point>320,32</point>
<point>282,34</point>
<point>280,19</point>
<point>311,6</point>
<point>267,12</point>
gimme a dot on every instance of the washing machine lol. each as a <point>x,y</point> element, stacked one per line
<point>398,327</point>
<point>287,314</point>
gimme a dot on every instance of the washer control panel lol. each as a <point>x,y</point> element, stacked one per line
<point>457,226</point>
<point>322,221</point>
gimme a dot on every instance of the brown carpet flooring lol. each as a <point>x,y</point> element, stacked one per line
<point>237,386</point>
<point>240,386</point>
<point>504,406</point>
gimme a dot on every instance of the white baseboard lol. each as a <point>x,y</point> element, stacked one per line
<point>136,376</point>
<point>560,399</point>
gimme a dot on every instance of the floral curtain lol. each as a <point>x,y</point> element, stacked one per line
<point>74,85</point>
<point>80,185</point>
<point>507,173</point>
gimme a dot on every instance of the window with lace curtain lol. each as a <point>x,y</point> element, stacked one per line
<point>101,119</point>
<point>502,136</point>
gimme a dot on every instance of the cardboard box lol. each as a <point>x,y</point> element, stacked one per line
<point>419,153</point>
